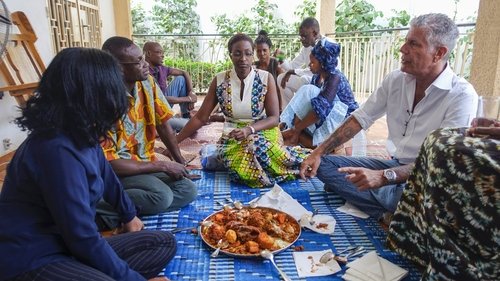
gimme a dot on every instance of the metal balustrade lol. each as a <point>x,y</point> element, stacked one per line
<point>365,58</point>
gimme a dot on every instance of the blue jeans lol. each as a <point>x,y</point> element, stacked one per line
<point>177,123</point>
<point>177,88</point>
<point>152,194</point>
<point>374,202</point>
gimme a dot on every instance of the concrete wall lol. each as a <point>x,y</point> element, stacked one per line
<point>485,68</point>
<point>36,12</point>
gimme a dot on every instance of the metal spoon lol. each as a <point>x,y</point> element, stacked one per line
<point>326,257</point>
<point>353,251</point>
<point>312,221</point>
<point>220,244</point>
<point>180,229</point>
<point>268,255</point>
<point>237,204</point>
<point>254,202</point>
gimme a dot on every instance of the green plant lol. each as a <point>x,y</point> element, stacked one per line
<point>354,15</point>
<point>201,73</point>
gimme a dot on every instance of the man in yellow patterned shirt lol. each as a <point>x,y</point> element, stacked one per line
<point>154,186</point>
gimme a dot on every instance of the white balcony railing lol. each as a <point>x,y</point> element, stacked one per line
<point>366,58</point>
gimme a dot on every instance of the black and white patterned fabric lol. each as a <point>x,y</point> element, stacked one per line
<point>448,219</point>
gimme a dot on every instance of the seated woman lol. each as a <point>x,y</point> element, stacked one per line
<point>316,110</point>
<point>251,145</point>
<point>59,173</point>
<point>263,47</point>
<point>447,220</point>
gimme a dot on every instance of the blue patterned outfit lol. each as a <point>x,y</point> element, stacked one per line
<point>331,100</point>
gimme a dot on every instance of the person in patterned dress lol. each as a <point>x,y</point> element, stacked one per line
<point>447,221</point>
<point>154,185</point>
<point>251,144</point>
<point>320,107</point>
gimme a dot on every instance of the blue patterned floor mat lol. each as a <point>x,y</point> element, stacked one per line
<point>193,262</point>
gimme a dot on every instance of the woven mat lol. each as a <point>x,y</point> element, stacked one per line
<point>190,147</point>
<point>193,262</point>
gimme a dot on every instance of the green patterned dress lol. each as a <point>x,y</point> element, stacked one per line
<point>261,159</point>
<point>448,219</point>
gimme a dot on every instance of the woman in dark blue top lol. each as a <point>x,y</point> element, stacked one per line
<point>317,109</point>
<point>59,173</point>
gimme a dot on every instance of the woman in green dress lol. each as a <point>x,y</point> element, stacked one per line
<point>251,146</point>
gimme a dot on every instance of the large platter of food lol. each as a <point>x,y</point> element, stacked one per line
<point>246,232</point>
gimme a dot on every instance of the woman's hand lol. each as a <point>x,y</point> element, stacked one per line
<point>240,134</point>
<point>291,136</point>
<point>132,226</point>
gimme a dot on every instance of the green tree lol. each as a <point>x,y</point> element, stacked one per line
<point>401,19</point>
<point>353,15</point>
<point>139,20</point>
<point>304,10</point>
<point>177,17</point>
<point>261,16</point>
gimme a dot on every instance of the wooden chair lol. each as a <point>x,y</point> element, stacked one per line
<point>21,66</point>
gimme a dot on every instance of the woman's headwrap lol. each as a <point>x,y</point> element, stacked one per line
<point>327,53</point>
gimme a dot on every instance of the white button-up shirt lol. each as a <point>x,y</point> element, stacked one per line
<point>450,101</point>
<point>300,64</point>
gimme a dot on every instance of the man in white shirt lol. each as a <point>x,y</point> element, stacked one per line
<point>422,96</point>
<point>297,71</point>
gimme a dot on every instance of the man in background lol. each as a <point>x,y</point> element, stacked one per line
<point>297,71</point>
<point>179,91</point>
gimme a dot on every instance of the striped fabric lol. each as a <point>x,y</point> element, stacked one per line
<point>146,252</point>
<point>193,262</point>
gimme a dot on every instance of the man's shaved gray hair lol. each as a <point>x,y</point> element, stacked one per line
<point>441,30</point>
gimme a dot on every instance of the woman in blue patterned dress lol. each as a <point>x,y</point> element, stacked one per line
<point>251,144</point>
<point>317,109</point>
<point>447,220</point>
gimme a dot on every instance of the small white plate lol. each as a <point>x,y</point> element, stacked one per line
<point>307,264</point>
<point>323,224</point>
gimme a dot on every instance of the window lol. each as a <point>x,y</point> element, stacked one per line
<point>74,23</point>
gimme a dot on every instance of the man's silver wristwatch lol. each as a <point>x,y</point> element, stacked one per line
<point>390,175</point>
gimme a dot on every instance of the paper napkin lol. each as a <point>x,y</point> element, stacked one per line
<point>323,224</point>
<point>278,199</point>
<point>308,264</point>
<point>371,267</point>
<point>352,210</point>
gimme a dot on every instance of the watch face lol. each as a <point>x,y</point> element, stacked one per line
<point>390,175</point>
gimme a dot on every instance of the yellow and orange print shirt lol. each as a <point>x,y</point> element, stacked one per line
<point>134,134</point>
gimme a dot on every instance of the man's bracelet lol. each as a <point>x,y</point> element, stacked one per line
<point>190,99</point>
<point>252,129</point>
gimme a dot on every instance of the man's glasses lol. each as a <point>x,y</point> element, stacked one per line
<point>141,61</point>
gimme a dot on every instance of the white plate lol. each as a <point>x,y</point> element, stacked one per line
<point>319,220</point>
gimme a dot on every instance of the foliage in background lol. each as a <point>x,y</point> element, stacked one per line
<point>139,20</point>
<point>401,19</point>
<point>304,10</point>
<point>352,15</point>
<point>261,16</point>
<point>201,73</point>
<point>178,17</point>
